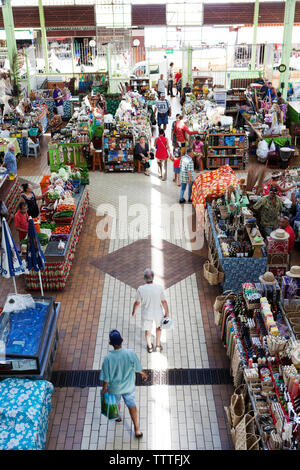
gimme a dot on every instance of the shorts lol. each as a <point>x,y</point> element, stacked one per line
<point>129,399</point>
<point>147,324</point>
<point>176,170</point>
<point>162,119</point>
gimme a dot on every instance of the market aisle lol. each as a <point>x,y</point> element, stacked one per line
<point>95,300</point>
<point>172,417</point>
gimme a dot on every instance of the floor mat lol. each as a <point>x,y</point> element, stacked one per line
<point>91,378</point>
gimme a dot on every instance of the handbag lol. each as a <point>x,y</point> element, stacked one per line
<point>109,407</point>
<point>237,408</point>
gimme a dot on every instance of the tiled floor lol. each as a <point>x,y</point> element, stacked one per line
<point>99,296</point>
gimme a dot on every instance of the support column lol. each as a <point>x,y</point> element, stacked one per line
<point>190,64</point>
<point>11,44</point>
<point>254,41</point>
<point>289,17</point>
<point>44,36</point>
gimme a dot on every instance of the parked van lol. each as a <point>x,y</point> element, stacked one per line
<point>153,70</point>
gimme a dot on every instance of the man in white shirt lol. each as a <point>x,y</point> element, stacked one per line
<point>170,80</point>
<point>161,85</point>
<point>151,297</point>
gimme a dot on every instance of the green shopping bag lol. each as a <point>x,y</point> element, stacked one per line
<point>109,407</point>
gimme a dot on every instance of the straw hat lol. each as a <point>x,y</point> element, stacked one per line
<point>267,278</point>
<point>279,234</point>
<point>294,272</point>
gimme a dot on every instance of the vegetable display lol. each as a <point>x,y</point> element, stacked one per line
<point>66,207</point>
<point>62,229</point>
<point>64,215</point>
<point>49,225</point>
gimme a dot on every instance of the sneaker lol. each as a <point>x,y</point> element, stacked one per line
<point>182,201</point>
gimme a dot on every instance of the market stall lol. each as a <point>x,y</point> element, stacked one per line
<point>61,223</point>
<point>263,352</point>
<point>10,192</point>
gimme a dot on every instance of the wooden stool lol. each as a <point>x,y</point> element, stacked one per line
<point>97,159</point>
<point>140,167</point>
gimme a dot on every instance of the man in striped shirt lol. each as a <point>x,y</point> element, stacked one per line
<point>186,175</point>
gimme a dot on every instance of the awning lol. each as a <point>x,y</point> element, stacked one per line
<point>19,34</point>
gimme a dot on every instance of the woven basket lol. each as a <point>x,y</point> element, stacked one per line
<point>237,408</point>
<point>245,426</point>
<point>218,306</point>
<point>210,273</point>
<point>252,441</point>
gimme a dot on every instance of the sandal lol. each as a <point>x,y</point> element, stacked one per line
<point>159,347</point>
<point>118,420</point>
<point>138,436</point>
<point>150,348</point>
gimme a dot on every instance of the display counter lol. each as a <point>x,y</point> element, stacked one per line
<point>31,338</point>
<point>239,269</point>
<point>59,262</point>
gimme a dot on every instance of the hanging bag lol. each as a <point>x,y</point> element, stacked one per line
<point>237,408</point>
<point>109,407</point>
<point>210,273</point>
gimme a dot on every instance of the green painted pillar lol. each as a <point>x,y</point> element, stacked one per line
<point>190,63</point>
<point>254,41</point>
<point>44,36</point>
<point>108,65</point>
<point>11,44</point>
<point>27,71</point>
<point>289,17</point>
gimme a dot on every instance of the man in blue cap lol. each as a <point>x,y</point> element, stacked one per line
<point>118,374</point>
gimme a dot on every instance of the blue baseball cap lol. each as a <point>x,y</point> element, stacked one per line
<point>115,338</point>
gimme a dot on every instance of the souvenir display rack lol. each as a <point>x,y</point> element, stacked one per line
<point>227,149</point>
<point>235,99</point>
<point>141,85</point>
<point>199,82</point>
<point>260,344</point>
<point>118,152</point>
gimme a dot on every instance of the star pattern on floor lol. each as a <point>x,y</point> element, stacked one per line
<point>170,263</point>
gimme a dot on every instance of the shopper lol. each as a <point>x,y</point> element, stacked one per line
<point>198,153</point>
<point>271,93</point>
<point>151,297</point>
<point>280,100</point>
<point>118,374</point>
<point>186,175</point>
<point>181,131</point>
<point>161,85</point>
<point>55,123</point>
<point>21,220</point>
<point>176,165</point>
<point>141,153</point>
<point>10,161</point>
<point>270,208</point>
<point>58,101</point>
<point>285,225</point>
<point>275,181</point>
<point>187,89</point>
<point>162,153</point>
<point>163,110</point>
<point>31,199</point>
<point>170,79</point>
<point>178,77</point>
